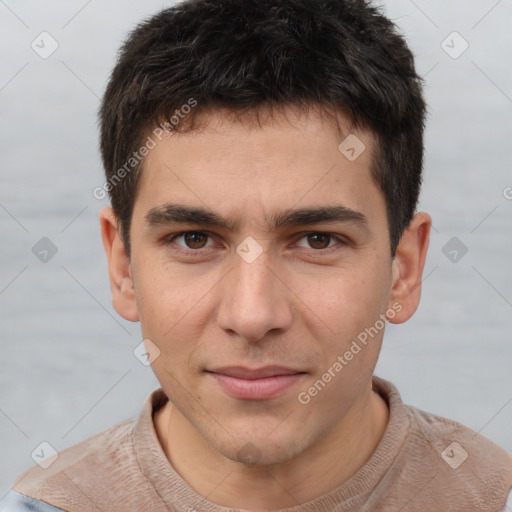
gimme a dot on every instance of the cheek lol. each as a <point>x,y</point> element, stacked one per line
<point>167,297</point>
<point>174,306</point>
<point>349,300</point>
<point>350,309</point>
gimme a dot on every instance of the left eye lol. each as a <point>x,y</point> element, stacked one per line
<point>316,239</point>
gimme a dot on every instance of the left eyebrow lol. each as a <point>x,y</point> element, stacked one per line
<point>325,214</point>
<point>172,213</point>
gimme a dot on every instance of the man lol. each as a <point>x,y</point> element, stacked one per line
<point>263,161</point>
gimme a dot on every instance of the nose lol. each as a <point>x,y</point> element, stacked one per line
<point>255,299</point>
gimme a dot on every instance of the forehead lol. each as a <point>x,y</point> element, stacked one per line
<point>309,133</point>
<point>262,165</point>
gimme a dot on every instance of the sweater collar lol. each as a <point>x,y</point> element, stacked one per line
<point>180,497</point>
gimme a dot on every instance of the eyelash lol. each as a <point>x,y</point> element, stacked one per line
<point>197,252</point>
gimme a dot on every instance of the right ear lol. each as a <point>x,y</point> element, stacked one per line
<point>119,268</point>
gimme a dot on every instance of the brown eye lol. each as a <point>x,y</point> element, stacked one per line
<point>318,240</point>
<point>193,240</point>
<point>320,243</point>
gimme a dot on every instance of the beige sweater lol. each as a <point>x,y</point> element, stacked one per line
<point>414,468</point>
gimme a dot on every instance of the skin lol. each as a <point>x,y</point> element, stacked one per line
<point>289,307</point>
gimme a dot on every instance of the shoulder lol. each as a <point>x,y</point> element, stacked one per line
<point>468,445</point>
<point>94,463</point>
<point>16,502</point>
<point>508,504</point>
<point>467,466</point>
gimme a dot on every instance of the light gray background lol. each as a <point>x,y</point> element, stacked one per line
<point>67,365</point>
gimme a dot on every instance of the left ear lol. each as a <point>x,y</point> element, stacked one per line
<point>407,268</point>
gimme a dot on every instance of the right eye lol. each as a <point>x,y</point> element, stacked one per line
<point>191,240</point>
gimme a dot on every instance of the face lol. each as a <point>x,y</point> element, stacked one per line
<point>253,285</point>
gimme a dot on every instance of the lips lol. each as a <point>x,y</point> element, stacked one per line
<point>241,372</point>
<point>255,384</point>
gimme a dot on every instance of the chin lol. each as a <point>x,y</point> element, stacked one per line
<point>261,452</point>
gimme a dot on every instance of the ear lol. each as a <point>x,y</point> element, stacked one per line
<point>407,268</point>
<point>119,268</point>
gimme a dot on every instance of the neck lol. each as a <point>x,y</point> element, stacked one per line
<point>320,469</point>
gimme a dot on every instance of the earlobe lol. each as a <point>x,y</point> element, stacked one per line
<point>119,268</point>
<point>407,267</point>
